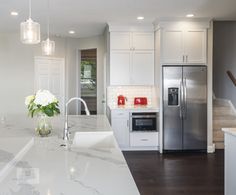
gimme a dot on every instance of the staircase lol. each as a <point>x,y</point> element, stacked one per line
<point>223,116</point>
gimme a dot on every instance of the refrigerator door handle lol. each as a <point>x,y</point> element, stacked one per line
<point>181,99</point>
<point>185,99</point>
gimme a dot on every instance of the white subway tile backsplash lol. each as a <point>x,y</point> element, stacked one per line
<point>130,92</point>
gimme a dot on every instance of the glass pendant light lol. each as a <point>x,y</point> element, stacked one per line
<point>30,30</point>
<point>48,46</point>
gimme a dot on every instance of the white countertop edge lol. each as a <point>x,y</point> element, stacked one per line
<point>136,109</point>
<point>231,131</point>
<point>4,172</point>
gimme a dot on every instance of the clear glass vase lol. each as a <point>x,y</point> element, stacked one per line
<point>44,126</point>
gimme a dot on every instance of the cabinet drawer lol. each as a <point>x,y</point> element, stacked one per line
<point>120,113</point>
<point>144,139</point>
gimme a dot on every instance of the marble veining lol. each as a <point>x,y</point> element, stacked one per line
<point>47,168</point>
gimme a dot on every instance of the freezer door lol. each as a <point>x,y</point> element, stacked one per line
<point>195,108</point>
<point>172,122</point>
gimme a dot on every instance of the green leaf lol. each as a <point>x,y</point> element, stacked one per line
<point>48,112</point>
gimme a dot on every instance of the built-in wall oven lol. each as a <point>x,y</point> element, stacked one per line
<point>143,121</point>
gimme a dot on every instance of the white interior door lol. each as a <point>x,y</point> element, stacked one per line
<point>50,75</point>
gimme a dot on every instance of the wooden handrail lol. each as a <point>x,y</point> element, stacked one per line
<point>231,76</point>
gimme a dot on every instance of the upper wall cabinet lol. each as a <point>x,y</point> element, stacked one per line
<point>120,41</point>
<point>132,41</point>
<point>183,44</point>
<point>131,57</point>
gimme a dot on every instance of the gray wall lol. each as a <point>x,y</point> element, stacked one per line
<point>17,69</point>
<point>16,74</point>
<point>224,58</point>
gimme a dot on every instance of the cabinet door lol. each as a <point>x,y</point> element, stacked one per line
<point>120,67</point>
<point>120,127</point>
<point>195,46</point>
<point>120,40</point>
<point>143,41</point>
<point>142,68</point>
<point>172,47</point>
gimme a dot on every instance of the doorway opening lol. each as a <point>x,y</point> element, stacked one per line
<point>88,79</point>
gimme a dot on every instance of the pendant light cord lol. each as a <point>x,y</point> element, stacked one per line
<point>29,8</point>
<point>48,20</point>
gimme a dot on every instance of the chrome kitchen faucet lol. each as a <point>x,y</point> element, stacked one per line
<point>66,128</point>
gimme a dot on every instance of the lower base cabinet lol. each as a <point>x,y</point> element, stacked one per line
<point>230,159</point>
<point>147,139</point>
<point>131,140</point>
<point>120,127</point>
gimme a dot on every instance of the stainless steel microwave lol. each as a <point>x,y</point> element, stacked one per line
<point>143,121</point>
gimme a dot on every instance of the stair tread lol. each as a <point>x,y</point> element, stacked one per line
<point>220,102</point>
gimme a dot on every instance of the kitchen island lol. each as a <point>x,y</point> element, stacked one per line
<point>230,158</point>
<point>32,165</point>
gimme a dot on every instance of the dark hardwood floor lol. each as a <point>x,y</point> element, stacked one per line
<point>174,174</point>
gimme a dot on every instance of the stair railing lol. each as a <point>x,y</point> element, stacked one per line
<point>231,76</point>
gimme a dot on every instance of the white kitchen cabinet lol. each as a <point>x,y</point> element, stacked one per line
<point>120,41</point>
<point>143,41</point>
<point>144,139</point>
<point>142,68</point>
<point>120,127</point>
<point>132,68</point>
<point>120,67</point>
<point>173,46</point>
<point>184,46</point>
<point>132,58</point>
<point>230,158</point>
<point>195,46</point>
<point>132,41</point>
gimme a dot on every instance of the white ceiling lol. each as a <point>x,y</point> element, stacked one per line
<point>89,17</point>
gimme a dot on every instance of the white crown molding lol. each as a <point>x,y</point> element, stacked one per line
<point>180,23</point>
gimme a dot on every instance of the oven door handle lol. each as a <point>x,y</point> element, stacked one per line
<point>144,116</point>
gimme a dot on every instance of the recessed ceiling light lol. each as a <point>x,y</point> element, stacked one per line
<point>140,18</point>
<point>13,13</point>
<point>189,15</point>
<point>71,32</point>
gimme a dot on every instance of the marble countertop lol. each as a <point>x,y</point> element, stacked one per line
<point>31,165</point>
<point>231,131</point>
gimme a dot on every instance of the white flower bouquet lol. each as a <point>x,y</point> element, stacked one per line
<point>43,102</point>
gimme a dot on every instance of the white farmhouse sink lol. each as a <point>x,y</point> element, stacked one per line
<point>99,139</point>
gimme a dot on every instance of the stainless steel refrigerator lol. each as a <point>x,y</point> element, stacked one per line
<point>184,108</point>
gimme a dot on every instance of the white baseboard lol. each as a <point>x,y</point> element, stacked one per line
<point>140,148</point>
<point>232,106</point>
<point>211,149</point>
